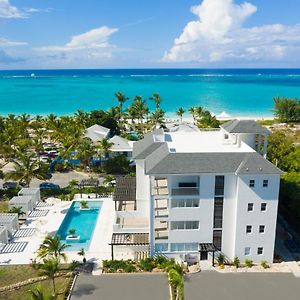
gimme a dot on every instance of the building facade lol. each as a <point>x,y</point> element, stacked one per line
<point>209,187</point>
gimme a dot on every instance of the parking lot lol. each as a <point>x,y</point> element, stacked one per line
<point>207,285</point>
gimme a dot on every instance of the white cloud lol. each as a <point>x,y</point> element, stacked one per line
<point>219,36</point>
<point>93,44</point>
<point>38,10</point>
<point>8,11</point>
<point>8,43</point>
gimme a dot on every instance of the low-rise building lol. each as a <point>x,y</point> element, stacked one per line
<point>211,190</point>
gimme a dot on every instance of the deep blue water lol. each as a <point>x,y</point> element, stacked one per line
<point>235,91</point>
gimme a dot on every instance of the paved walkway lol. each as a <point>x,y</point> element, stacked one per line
<point>121,287</point>
<point>211,285</point>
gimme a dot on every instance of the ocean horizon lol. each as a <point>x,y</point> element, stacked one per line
<point>237,92</point>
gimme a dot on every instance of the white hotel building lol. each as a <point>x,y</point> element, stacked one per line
<point>198,191</point>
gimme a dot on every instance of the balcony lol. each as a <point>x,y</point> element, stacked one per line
<point>161,230</point>
<point>160,191</point>
<point>161,208</point>
<point>161,212</point>
<point>185,191</point>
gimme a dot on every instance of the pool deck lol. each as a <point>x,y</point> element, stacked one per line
<point>99,248</point>
<point>49,224</point>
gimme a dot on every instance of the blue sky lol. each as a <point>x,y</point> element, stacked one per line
<point>157,33</point>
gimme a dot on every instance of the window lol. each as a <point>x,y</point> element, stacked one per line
<point>185,203</point>
<point>261,228</point>
<point>265,183</point>
<point>180,225</point>
<point>252,183</point>
<point>218,212</point>
<point>248,229</point>
<point>219,185</point>
<point>247,251</point>
<point>260,250</point>
<point>161,247</point>
<point>187,184</point>
<point>263,207</point>
<point>226,136</point>
<point>250,206</point>
<point>180,247</point>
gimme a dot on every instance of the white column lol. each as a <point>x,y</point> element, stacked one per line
<point>265,145</point>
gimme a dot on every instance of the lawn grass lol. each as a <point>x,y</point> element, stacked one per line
<point>47,287</point>
<point>3,206</point>
<point>16,273</point>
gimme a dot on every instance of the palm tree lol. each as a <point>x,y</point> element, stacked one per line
<point>82,253</point>
<point>104,146</point>
<point>81,117</point>
<point>121,98</point>
<point>52,247</point>
<point>158,118</point>
<point>199,111</point>
<point>85,152</point>
<point>50,267</point>
<point>175,278</point>
<point>27,168</point>
<point>193,112</point>
<point>17,210</point>
<point>140,107</point>
<point>157,100</point>
<point>39,294</point>
<point>180,113</point>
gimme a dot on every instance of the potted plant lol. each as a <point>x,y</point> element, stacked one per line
<point>82,253</point>
<point>84,205</point>
<point>72,235</point>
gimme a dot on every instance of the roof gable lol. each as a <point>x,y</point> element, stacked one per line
<point>244,126</point>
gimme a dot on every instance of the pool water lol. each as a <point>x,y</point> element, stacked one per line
<point>83,221</point>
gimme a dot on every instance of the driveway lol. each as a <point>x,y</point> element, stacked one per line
<point>211,285</point>
<point>121,287</point>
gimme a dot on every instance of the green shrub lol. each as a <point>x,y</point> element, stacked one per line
<point>112,266</point>
<point>236,262</point>
<point>161,260</point>
<point>265,264</point>
<point>147,264</point>
<point>221,259</point>
<point>248,263</point>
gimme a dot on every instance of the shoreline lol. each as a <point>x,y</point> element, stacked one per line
<point>169,116</point>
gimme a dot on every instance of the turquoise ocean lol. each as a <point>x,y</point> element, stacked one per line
<point>238,92</point>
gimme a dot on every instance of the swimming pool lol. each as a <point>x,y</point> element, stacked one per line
<point>82,221</point>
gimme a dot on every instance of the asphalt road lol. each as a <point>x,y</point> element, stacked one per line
<point>62,179</point>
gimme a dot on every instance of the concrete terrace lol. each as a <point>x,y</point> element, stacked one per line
<point>47,220</point>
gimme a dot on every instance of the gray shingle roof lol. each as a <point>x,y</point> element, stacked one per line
<point>244,126</point>
<point>120,144</point>
<point>195,163</point>
<point>147,145</point>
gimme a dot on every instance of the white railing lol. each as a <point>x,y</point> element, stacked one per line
<point>185,191</point>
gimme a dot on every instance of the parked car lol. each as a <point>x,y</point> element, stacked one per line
<point>49,186</point>
<point>10,185</point>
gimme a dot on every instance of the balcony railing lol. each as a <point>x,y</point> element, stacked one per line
<point>185,191</point>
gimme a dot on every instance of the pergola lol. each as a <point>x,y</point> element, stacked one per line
<point>208,247</point>
<point>128,239</point>
<point>125,192</point>
<point>91,182</point>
